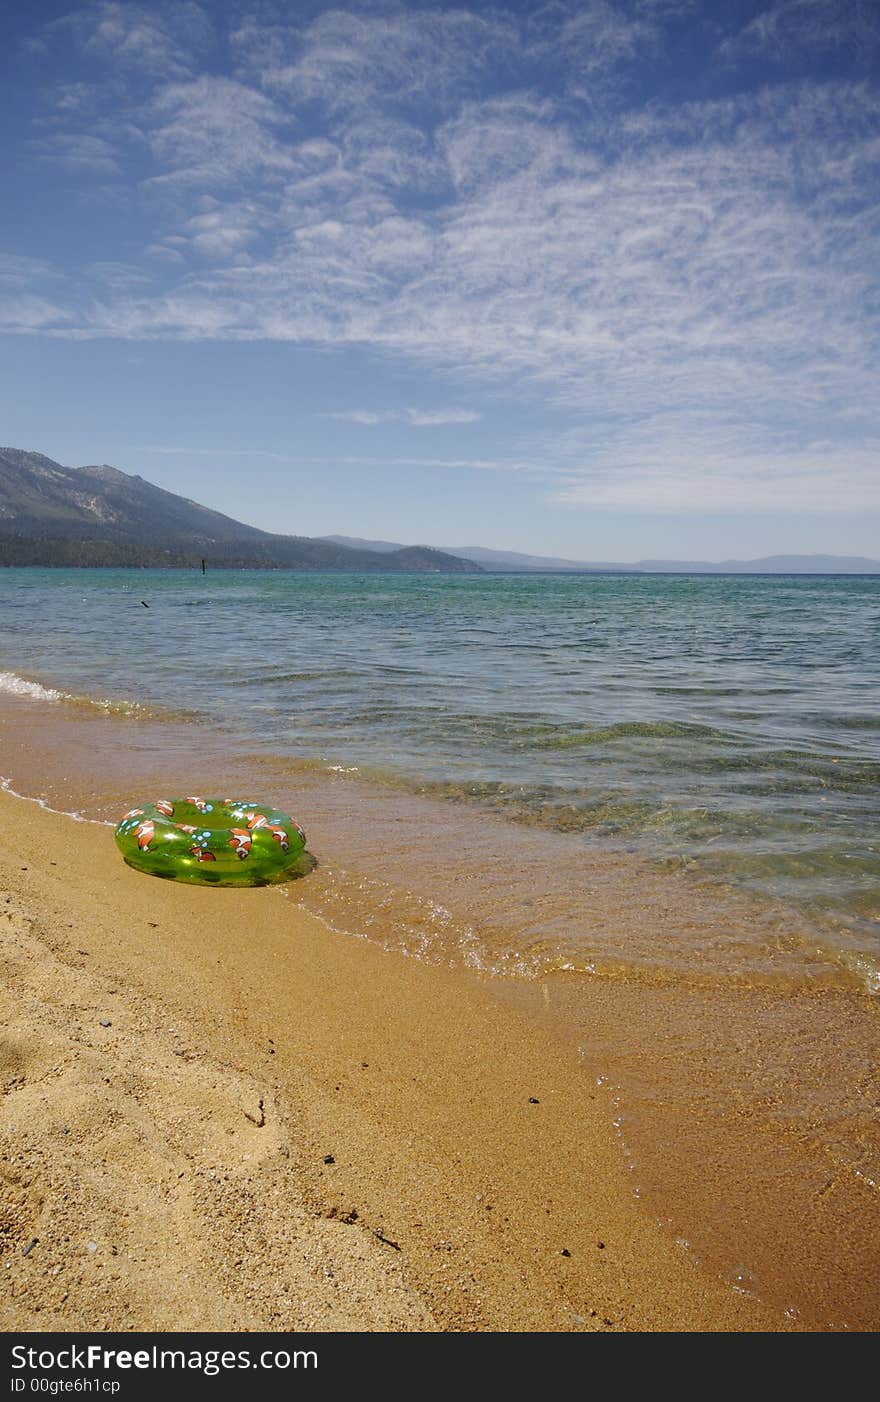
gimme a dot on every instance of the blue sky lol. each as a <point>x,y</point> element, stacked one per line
<point>596,279</point>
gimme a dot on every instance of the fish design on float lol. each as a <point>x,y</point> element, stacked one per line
<point>280,836</point>
<point>240,842</point>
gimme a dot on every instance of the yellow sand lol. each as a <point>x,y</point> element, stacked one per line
<point>171,1164</point>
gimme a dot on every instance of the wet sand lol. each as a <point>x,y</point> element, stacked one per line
<point>703,1150</point>
<point>179,1067</point>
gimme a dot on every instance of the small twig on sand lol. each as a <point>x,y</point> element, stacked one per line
<point>387,1240</point>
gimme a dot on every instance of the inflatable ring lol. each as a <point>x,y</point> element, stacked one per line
<point>215,842</point>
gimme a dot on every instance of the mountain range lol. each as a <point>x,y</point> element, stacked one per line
<point>54,515</point>
<point>514,562</point>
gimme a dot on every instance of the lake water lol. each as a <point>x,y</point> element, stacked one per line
<point>644,808</point>
<point>730,724</point>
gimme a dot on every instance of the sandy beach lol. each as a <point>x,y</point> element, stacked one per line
<point>221,1114</point>
<point>442,441</point>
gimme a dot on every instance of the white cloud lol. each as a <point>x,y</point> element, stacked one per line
<point>164,252</point>
<point>31,295</point>
<point>416,418</point>
<point>400,180</point>
<point>215,131</point>
<point>17,270</point>
<point>691,463</point>
<point>355,61</point>
<point>80,152</point>
<point>488,142</point>
<point>598,35</point>
<point>156,40</point>
<point>429,418</point>
<point>787,29</point>
<point>502,465</point>
<point>20,314</point>
<point>118,276</point>
<point>223,230</point>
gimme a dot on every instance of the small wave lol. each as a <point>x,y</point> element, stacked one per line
<point>625,730</point>
<point>865,967</point>
<point>127,710</point>
<point>14,685</point>
<point>842,722</point>
<point>6,787</point>
<point>277,678</point>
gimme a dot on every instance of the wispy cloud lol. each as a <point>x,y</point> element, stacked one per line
<point>697,463</point>
<point>158,40</point>
<point>80,153</point>
<point>213,131</point>
<point>788,29</point>
<point>416,418</point>
<point>690,285</point>
<point>21,314</point>
<point>118,276</point>
<point>502,465</point>
<point>18,270</point>
<point>357,61</point>
<point>24,311</point>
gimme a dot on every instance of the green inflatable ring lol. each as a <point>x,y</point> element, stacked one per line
<point>211,841</point>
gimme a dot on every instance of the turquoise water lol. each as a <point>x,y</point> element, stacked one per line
<point>729,723</point>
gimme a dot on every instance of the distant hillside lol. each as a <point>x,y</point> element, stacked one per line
<point>515,562</point>
<point>767,564</point>
<point>355,542</point>
<point>499,560</point>
<point>512,561</point>
<point>54,515</point>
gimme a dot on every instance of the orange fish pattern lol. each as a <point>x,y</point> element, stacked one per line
<point>280,836</point>
<point>151,830</point>
<point>240,842</point>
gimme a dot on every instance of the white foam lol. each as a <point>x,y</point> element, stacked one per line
<point>14,685</point>
<point>865,968</point>
<point>6,787</point>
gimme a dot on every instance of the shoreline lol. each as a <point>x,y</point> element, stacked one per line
<point>730,1122</point>
<point>172,1163</point>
